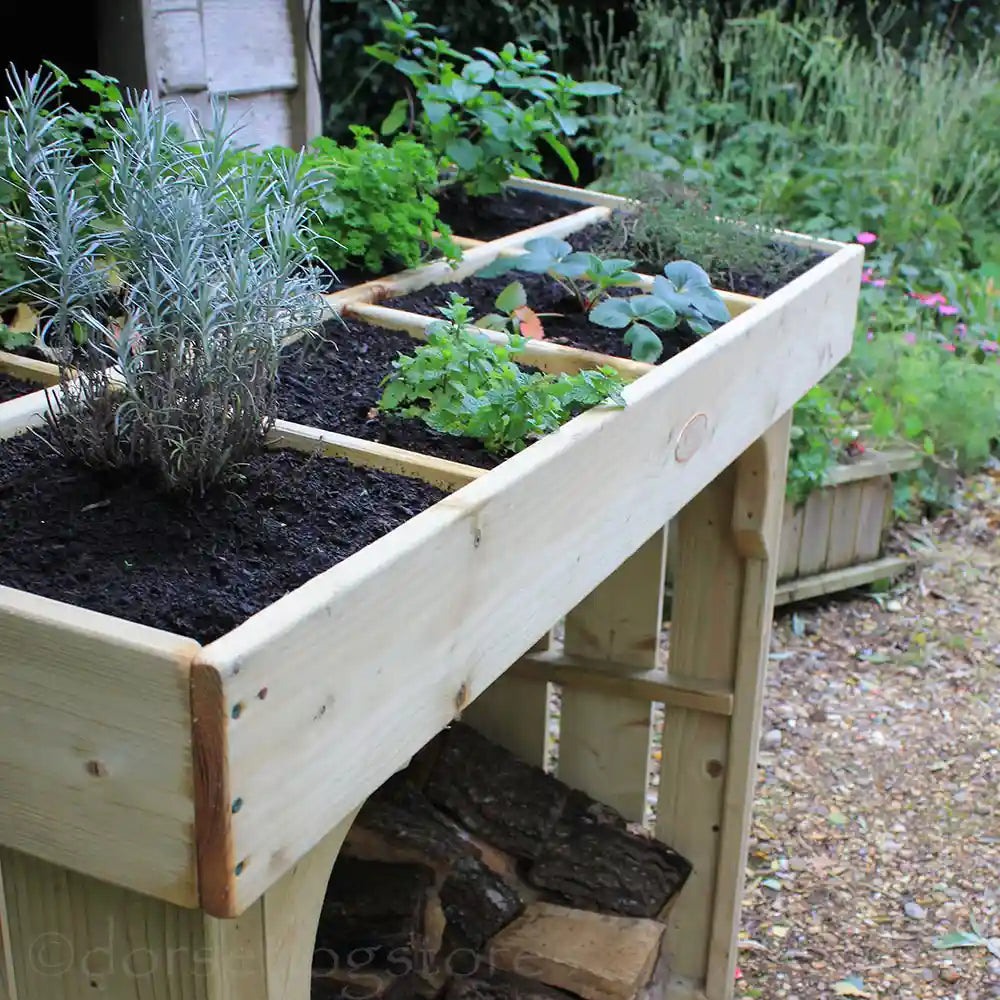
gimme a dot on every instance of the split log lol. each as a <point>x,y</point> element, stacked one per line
<point>364,985</point>
<point>604,867</point>
<point>477,904</point>
<point>399,823</point>
<point>491,984</point>
<point>594,955</point>
<point>511,804</point>
<point>373,915</point>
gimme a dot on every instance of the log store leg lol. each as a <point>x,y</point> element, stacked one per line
<point>723,602</point>
<point>603,738</point>
<point>72,937</point>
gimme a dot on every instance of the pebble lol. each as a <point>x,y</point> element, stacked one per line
<point>950,975</point>
<point>772,738</point>
<point>914,910</point>
<point>893,606</point>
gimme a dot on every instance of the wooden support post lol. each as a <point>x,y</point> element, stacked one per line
<point>604,738</point>
<point>69,937</point>
<point>724,585</point>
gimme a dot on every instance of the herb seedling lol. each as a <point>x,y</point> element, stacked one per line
<point>487,114</point>
<point>461,382</point>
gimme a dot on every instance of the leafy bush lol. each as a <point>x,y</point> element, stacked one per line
<point>371,202</point>
<point>487,115</point>
<point>462,383</point>
<point>818,429</point>
<point>182,289</point>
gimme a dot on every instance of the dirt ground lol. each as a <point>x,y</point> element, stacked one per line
<point>874,867</point>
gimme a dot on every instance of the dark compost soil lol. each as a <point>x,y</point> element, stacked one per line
<point>488,217</point>
<point>797,262</point>
<point>570,327</point>
<point>114,543</point>
<point>333,381</point>
<point>11,388</point>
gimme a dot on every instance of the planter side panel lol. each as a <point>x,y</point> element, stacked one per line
<point>365,663</point>
<point>95,746</point>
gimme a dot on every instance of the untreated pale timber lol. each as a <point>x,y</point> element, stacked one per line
<point>95,746</point>
<point>604,737</point>
<point>472,582</point>
<point>725,570</point>
<point>28,369</point>
<point>807,587</point>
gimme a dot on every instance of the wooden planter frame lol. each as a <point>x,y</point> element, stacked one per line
<point>180,806</point>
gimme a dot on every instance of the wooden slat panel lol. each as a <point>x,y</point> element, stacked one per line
<point>469,584</point>
<point>28,369</point>
<point>95,746</point>
<point>604,737</point>
<point>514,712</point>
<point>248,46</point>
<point>876,499</point>
<point>791,540</point>
<point>843,525</point>
<point>815,532</point>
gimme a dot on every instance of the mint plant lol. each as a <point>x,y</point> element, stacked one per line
<point>180,289</point>
<point>463,383</point>
<point>683,292</point>
<point>485,114</point>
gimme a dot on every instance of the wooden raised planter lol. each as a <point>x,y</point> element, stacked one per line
<point>833,541</point>
<point>181,806</point>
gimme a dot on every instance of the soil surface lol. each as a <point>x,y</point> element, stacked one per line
<point>488,217</point>
<point>333,381</point>
<point>11,388</point>
<point>568,326</point>
<point>599,239</point>
<point>114,543</point>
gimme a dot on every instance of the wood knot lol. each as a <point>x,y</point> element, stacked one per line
<point>692,436</point>
<point>96,768</point>
<point>462,697</point>
<point>714,768</point>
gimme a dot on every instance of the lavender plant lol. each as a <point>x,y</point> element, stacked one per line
<point>167,302</point>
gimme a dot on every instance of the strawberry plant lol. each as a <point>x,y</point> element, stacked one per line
<point>682,292</point>
<point>462,383</point>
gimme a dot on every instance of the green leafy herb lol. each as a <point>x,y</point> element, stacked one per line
<point>463,383</point>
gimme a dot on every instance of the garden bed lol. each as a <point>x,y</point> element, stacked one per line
<point>201,768</point>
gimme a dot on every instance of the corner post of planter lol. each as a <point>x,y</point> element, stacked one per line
<point>724,582</point>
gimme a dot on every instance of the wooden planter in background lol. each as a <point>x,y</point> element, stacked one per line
<point>833,541</point>
<point>186,803</point>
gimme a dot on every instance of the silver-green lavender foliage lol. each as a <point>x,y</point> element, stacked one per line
<point>168,290</point>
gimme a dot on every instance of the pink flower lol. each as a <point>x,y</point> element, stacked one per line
<point>909,338</point>
<point>961,330</point>
<point>878,283</point>
<point>990,346</point>
<point>871,335</point>
<point>929,298</point>
<point>866,239</point>
<point>949,310</point>
<point>949,347</point>
<point>866,275</point>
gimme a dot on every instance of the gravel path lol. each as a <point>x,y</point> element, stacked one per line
<point>877,827</point>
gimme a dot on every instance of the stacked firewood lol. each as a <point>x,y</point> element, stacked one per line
<point>474,876</point>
